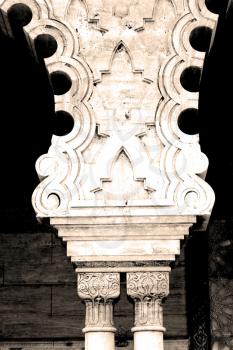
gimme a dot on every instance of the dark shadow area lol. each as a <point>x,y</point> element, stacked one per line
<point>204,249</point>
<point>27,109</point>
<point>36,276</point>
<point>216,113</point>
<point>197,290</point>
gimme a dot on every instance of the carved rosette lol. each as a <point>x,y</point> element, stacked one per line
<point>148,289</point>
<point>98,290</point>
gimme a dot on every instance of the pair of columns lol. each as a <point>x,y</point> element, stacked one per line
<point>100,289</point>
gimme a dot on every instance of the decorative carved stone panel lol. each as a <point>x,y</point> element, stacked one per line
<point>126,151</point>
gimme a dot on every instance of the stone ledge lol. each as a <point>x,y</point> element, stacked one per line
<point>79,345</point>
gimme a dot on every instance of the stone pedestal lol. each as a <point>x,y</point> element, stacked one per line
<point>148,289</point>
<point>98,290</point>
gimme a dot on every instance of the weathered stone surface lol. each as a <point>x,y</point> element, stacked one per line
<point>126,155</point>
<point>126,149</point>
<point>128,239</point>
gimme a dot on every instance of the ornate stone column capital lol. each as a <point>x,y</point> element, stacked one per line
<point>98,290</point>
<point>148,289</point>
<point>141,285</point>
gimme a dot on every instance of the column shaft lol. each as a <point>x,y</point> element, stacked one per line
<point>149,340</point>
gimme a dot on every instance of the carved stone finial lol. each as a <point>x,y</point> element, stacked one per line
<point>148,289</point>
<point>98,291</point>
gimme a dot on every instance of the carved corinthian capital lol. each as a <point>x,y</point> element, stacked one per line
<point>148,289</point>
<point>98,290</point>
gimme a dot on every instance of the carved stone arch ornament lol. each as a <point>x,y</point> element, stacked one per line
<point>181,164</point>
<point>55,166</point>
<point>125,60</point>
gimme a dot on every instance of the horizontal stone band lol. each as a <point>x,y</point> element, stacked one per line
<point>99,329</point>
<point>148,329</point>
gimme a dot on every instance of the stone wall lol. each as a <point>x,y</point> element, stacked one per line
<point>169,345</point>
<point>38,298</point>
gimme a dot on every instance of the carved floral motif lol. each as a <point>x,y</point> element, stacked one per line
<point>101,286</point>
<point>98,291</point>
<point>148,289</point>
<point>141,285</point>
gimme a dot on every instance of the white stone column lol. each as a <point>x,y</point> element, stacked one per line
<point>98,290</point>
<point>148,289</point>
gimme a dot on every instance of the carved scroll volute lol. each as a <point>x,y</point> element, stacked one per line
<point>148,289</point>
<point>98,290</point>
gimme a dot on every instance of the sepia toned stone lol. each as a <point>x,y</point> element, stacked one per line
<point>126,183</point>
<point>99,290</point>
<point>148,289</point>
